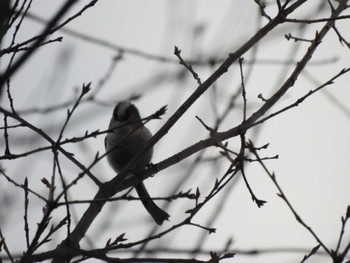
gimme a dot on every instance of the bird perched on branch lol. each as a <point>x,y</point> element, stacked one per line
<point>128,136</point>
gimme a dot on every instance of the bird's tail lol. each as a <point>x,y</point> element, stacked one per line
<point>157,213</point>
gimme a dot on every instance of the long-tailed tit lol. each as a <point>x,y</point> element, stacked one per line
<point>127,138</point>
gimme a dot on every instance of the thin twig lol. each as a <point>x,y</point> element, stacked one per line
<point>301,99</point>
<point>20,61</point>
<point>102,82</point>
<point>6,137</point>
<point>262,6</point>
<point>65,195</point>
<point>21,186</point>
<point>52,142</point>
<point>342,39</point>
<point>344,220</point>
<point>320,20</point>
<point>85,89</point>
<point>259,202</point>
<point>4,245</point>
<point>312,252</point>
<point>296,39</point>
<point>243,90</point>
<point>58,39</point>
<point>177,52</point>
<point>180,195</point>
<point>26,202</point>
<point>284,198</point>
<point>18,26</point>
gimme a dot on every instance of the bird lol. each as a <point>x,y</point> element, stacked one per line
<point>127,135</point>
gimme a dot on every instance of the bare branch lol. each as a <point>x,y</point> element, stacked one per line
<point>10,71</point>
<point>284,198</point>
<point>177,52</point>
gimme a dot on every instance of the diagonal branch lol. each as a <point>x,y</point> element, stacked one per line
<point>66,6</point>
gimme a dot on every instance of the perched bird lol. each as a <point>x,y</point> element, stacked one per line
<point>128,136</point>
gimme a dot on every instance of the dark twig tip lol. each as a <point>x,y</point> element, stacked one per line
<point>159,113</point>
<point>177,51</point>
<point>86,88</point>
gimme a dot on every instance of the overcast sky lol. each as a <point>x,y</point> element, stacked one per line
<point>311,140</point>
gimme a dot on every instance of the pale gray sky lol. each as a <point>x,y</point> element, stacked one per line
<point>312,140</point>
